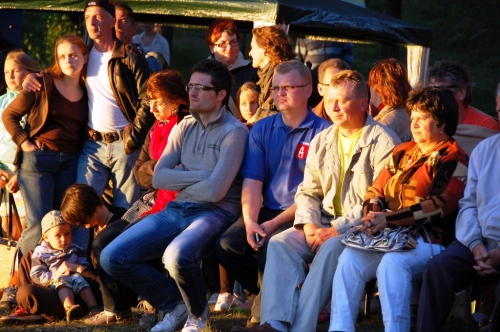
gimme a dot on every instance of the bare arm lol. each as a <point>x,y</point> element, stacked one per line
<point>283,218</point>
<point>251,202</point>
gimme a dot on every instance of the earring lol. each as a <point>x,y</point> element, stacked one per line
<point>441,131</point>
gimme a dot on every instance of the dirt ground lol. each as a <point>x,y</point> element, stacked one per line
<point>222,322</point>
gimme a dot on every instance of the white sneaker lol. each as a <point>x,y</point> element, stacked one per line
<point>197,324</point>
<point>224,302</point>
<point>213,298</point>
<point>173,319</point>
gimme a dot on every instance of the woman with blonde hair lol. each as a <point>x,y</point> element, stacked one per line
<point>17,65</point>
<point>50,142</point>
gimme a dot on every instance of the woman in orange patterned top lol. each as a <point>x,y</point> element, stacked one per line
<point>421,185</point>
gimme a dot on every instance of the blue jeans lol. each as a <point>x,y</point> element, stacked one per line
<point>101,161</point>
<point>188,231</point>
<point>43,178</point>
<point>396,272</point>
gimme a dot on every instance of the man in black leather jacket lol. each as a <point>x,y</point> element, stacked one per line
<point>119,116</point>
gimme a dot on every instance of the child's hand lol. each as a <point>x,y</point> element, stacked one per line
<point>63,270</point>
<point>72,267</point>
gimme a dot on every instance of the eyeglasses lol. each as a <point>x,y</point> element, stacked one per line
<point>323,84</point>
<point>233,43</point>
<point>199,87</point>
<point>285,88</point>
<point>153,102</point>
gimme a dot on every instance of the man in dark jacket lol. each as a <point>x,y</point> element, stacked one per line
<point>119,116</point>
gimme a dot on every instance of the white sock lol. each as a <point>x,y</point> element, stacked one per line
<point>278,325</point>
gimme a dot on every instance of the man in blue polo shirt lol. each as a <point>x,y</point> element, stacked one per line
<point>273,168</point>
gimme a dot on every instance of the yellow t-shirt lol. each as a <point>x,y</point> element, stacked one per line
<point>346,146</point>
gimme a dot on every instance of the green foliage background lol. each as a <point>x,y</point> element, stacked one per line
<point>41,30</point>
<point>464,30</point>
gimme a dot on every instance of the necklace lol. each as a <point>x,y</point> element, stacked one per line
<point>416,154</point>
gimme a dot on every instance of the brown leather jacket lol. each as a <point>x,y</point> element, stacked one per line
<point>33,104</point>
<point>36,106</point>
<point>129,72</point>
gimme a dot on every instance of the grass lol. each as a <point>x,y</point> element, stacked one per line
<point>463,30</point>
<point>222,322</point>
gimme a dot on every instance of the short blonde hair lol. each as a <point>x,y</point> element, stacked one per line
<point>287,66</point>
<point>23,60</point>
<point>353,77</point>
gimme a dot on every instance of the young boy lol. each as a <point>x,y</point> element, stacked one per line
<point>57,263</point>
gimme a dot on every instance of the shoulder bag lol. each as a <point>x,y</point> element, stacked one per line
<point>389,239</point>
<point>8,250</point>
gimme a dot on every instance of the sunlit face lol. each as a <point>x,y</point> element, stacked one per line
<point>327,78</point>
<point>347,110</point>
<point>297,93</point>
<point>203,101</point>
<point>163,108</point>
<point>99,23</point>
<point>249,102</point>
<point>258,55</point>
<point>125,26</point>
<point>14,75</point>
<point>58,237</point>
<point>70,59</point>
<point>226,49</point>
<point>424,128</point>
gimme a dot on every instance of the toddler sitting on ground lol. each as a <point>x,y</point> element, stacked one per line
<point>57,263</point>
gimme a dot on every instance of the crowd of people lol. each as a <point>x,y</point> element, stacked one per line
<point>139,186</point>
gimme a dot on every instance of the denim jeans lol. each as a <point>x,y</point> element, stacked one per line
<point>43,178</point>
<point>115,295</point>
<point>239,259</point>
<point>182,234</point>
<point>396,274</point>
<point>101,161</point>
<point>290,293</point>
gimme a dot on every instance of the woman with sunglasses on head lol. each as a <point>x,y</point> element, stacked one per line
<point>169,103</point>
<point>389,89</point>
<point>222,38</point>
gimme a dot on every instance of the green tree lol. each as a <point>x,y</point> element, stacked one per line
<point>39,40</point>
